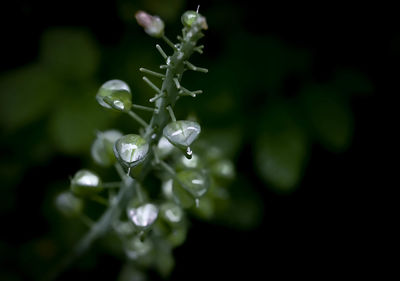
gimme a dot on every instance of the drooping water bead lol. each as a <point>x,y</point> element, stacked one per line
<point>131,150</point>
<point>223,169</point>
<point>195,182</point>
<point>136,247</point>
<point>68,204</point>
<point>144,215</point>
<point>188,186</point>
<point>102,148</point>
<point>182,134</point>
<point>188,18</point>
<point>171,213</point>
<point>86,183</point>
<point>115,94</point>
<point>191,17</point>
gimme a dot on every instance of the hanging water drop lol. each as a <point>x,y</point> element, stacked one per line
<point>86,183</point>
<point>171,213</point>
<point>188,153</point>
<point>115,94</point>
<point>136,247</point>
<point>189,185</point>
<point>144,215</point>
<point>131,150</point>
<point>68,204</point>
<point>182,134</point>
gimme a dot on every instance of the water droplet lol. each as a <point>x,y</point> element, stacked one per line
<point>85,183</point>
<point>171,212</point>
<point>188,18</point>
<point>131,150</point>
<point>153,136</point>
<point>223,169</point>
<point>115,94</point>
<point>68,204</point>
<point>136,248</point>
<point>144,215</point>
<point>188,153</point>
<point>168,61</point>
<point>102,147</point>
<point>182,133</point>
<point>167,188</point>
<point>193,181</point>
<point>197,202</point>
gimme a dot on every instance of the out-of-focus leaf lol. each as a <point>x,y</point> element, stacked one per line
<point>349,81</point>
<point>329,116</point>
<point>26,95</point>
<point>242,209</point>
<point>281,149</point>
<point>69,53</point>
<point>164,261</point>
<point>73,126</point>
<point>220,146</point>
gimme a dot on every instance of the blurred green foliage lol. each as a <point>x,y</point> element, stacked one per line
<point>48,107</point>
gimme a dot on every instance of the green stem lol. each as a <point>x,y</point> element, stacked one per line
<point>137,118</point>
<point>168,97</point>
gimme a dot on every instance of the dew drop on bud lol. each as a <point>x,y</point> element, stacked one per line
<point>194,182</point>
<point>144,215</point>
<point>191,17</point>
<point>131,150</point>
<point>115,94</point>
<point>136,248</point>
<point>68,204</point>
<point>182,134</point>
<point>171,213</point>
<point>86,183</point>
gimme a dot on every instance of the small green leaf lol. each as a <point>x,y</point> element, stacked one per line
<point>281,150</point>
<point>329,116</point>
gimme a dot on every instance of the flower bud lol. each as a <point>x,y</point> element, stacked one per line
<point>153,25</point>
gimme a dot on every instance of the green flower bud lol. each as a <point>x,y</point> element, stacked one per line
<point>143,216</point>
<point>131,150</point>
<point>102,148</point>
<point>191,17</point>
<point>182,134</point>
<point>86,183</point>
<point>68,204</point>
<point>152,25</point>
<point>188,186</point>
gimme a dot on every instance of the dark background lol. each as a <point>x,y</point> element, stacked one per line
<point>324,224</point>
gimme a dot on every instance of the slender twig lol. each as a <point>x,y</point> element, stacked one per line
<point>137,118</point>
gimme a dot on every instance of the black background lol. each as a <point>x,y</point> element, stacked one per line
<point>315,229</point>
